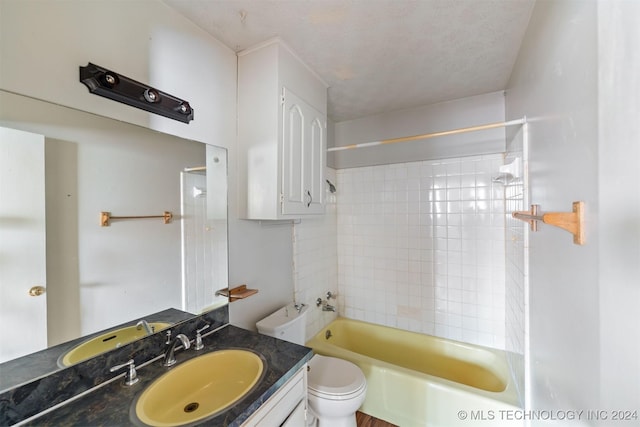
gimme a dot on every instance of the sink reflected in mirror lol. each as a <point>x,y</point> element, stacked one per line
<point>99,277</point>
<point>199,388</point>
<point>107,341</point>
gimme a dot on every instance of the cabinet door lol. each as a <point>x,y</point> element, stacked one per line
<point>314,153</point>
<point>293,136</point>
<point>297,418</point>
<point>286,407</point>
<point>303,157</point>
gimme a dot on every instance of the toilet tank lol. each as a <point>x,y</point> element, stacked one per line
<point>288,323</point>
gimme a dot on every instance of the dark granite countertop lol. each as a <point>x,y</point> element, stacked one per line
<point>110,404</point>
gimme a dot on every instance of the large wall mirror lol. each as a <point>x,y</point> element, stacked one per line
<point>59,169</point>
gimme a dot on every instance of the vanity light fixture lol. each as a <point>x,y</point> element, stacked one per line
<point>109,84</point>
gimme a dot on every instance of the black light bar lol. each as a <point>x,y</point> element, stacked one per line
<point>109,84</point>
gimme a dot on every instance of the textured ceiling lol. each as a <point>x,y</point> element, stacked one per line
<point>380,55</point>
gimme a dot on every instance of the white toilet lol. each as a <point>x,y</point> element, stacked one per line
<point>336,388</point>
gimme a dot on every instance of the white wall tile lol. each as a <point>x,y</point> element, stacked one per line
<point>421,235</point>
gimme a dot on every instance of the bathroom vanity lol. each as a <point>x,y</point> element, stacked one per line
<point>105,282</point>
<point>278,397</point>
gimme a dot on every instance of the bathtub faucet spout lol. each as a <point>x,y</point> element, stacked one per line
<point>327,307</point>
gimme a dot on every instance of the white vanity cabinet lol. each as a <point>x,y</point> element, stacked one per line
<point>286,408</point>
<point>282,135</point>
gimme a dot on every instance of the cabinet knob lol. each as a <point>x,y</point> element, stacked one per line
<point>36,291</point>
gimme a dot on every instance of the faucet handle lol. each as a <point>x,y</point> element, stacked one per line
<point>199,345</point>
<point>131,377</point>
<point>202,329</point>
<point>331,295</point>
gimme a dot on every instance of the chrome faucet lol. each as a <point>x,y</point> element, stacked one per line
<point>144,324</point>
<point>325,305</point>
<point>170,346</point>
<point>328,307</point>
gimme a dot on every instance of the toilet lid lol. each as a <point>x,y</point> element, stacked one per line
<point>334,376</point>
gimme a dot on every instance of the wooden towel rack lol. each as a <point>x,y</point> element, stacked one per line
<point>105,217</point>
<point>573,221</point>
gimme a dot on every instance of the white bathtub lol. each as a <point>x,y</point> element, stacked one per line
<point>421,380</point>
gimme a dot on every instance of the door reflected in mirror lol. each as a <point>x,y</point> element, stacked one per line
<point>97,277</point>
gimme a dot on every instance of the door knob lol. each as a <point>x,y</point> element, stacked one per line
<point>36,291</point>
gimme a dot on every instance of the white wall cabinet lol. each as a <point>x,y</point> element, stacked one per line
<point>303,154</point>
<point>282,135</point>
<point>286,408</point>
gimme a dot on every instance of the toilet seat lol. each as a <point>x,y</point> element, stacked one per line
<point>333,378</point>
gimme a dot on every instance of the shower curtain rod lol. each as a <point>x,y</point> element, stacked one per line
<point>430,135</point>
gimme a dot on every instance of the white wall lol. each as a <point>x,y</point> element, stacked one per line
<point>44,42</point>
<point>460,113</point>
<point>576,80</point>
<point>619,202</point>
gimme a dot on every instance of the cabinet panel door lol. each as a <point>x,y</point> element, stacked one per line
<point>297,417</point>
<point>293,196</point>
<point>314,152</point>
<point>304,147</point>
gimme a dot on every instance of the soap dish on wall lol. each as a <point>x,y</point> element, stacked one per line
<point>510,173</point>
<point>239,292</point>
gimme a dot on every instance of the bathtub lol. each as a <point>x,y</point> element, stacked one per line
<point>421,380</point>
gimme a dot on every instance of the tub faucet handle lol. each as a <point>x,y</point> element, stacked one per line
<point>331,295</point>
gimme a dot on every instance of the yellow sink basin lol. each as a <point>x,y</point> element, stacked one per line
<point>199,388</point>
<point>105,342</point>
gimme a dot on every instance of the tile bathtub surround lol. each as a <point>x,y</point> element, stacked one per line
<point>421,247</point>
<point>315,261</point>
<point>516,265</point>
<point>24,401</point>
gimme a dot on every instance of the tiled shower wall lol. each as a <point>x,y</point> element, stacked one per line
<point>516,266</point>
<point>421,247</point>
<point>315,266</point>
